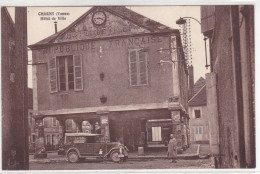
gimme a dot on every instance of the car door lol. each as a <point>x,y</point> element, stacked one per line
<point>93,147</point>
<point>79,143</point>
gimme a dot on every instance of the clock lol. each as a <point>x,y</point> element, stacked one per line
<point>99,18</point>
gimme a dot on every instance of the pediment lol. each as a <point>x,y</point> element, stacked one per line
<point>85,28</point>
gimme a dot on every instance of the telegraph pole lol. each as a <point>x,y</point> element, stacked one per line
<point>21,90</point>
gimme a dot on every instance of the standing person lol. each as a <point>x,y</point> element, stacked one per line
<point>172,149</point>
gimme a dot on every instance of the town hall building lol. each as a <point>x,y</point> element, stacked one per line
<point>117,71</point>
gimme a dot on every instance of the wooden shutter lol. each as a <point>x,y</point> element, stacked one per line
<point>53,75</point>
<point>143,67</point>
<point>133,67</point>
<point>207,18</point>
<point>78,82</point>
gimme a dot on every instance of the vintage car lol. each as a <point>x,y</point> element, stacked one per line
<point>79,146</point>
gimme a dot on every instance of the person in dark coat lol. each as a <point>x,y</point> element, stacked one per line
<point>172,149</point>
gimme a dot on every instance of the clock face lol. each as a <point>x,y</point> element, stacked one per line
<point>99,18</point>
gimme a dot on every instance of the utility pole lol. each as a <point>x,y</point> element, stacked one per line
<point>21,90</point>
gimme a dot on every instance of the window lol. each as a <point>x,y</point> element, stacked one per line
<point>138,67</point>
<point>198,130</point>
<point>197,113</point>
<point>54,121</point>
<point>156,134</point>
<point>65,73</point>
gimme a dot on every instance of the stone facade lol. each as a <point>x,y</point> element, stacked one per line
<point>118,82</point>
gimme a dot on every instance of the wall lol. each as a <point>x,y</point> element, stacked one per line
<point>199,122</point>
<point>7,38</point>
<point>116,81</point>
<point>223,66</point>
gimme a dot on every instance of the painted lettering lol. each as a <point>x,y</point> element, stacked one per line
<point>81,46</point>
<point>117,42</point>
<point>67,48</point>
<point>92,45</point>
<point>56,48</point>
<point>131,41</point>
<point>153,39</point>
<point>136,41</point>
<point>61,48</point>
<point>143,40</point>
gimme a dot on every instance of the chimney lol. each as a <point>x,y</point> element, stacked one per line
<point>191,81</point>
<point>55,25</point>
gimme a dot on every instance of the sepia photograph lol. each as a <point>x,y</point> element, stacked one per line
<point>128,87</point>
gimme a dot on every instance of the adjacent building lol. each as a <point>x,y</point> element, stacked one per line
<point>7,77</point>
<point>198,112</point>
<point>103,71</point>
<point>231,84</point>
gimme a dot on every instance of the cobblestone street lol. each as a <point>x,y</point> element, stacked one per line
<point>148,164</point>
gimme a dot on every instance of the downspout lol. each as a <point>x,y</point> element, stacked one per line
<point>236,59</point>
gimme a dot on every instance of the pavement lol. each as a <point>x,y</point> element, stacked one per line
<point>195,151</point>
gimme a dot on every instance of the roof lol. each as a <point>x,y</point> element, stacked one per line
<point>199,99</point>
<point>199,84</point>
<point>82,134</point>
<point>124,13</point>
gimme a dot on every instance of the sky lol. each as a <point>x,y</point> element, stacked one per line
<point>39,29</point>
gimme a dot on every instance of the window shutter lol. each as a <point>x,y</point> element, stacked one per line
<point>143,67</point>
<point>53,75</point>
<point>78,82</point>
<point>133,67</point>
<point>207,18</point>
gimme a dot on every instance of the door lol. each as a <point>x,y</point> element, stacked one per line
<point>93,149</point>
<point>156,134</point>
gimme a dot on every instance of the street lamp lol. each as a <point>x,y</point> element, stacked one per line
<point>183,21</point>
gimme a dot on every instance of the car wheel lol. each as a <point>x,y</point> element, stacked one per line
<point>73,157</point>
<point>114,156</point>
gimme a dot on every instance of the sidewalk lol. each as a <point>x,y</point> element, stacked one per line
<point>193,152</point>
<point>161,153</point>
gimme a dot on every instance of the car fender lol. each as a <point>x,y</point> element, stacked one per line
<point>111,150</point>
<point>73,149</point>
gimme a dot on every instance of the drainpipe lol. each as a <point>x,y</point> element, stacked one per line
<point>236,60</point>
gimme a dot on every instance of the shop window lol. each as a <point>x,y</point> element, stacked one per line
<point>197,113</point>
<point>156,134</point>
<point>65,73</point>
<point>138,67</point>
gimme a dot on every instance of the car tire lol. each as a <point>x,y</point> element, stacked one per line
<point>73,157</point>
<point>114,156</point>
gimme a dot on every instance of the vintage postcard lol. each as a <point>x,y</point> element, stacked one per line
<point>128,87</point>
